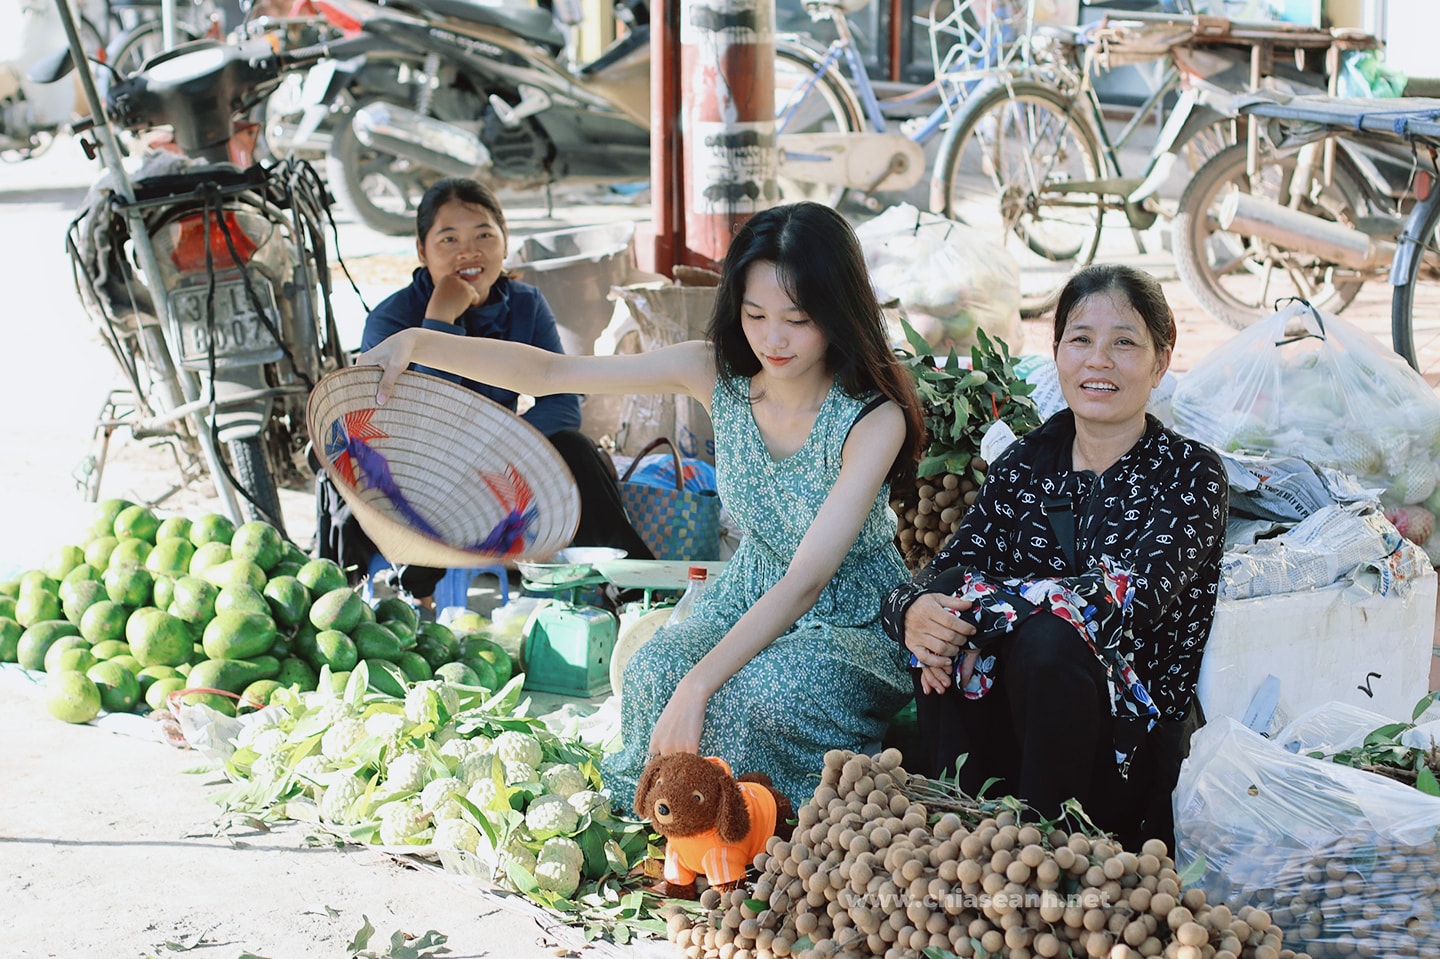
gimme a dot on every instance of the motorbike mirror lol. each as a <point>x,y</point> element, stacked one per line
<point>51,67</point>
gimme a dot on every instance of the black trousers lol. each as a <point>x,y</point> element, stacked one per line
<point>1044,731</point>
<point>602,514</point>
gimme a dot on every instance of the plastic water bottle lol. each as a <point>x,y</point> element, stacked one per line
<point>694,588</point>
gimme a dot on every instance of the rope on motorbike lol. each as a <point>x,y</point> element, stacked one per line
<point>95,304</point>
<point>210,194</point>
<point>309,172</point>
<point>307,205</point>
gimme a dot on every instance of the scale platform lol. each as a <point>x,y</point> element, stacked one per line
<point>566,647</point>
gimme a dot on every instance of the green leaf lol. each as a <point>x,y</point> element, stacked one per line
<point>521,877</point>
<point>1423,705</point>
<point>1426,782</point>
<point>1192,873</point>
<point>357,683</point>
<point>361,938</point>
<point>615,858</point>
<point>931,466</point>
<point>1386,735</point>
<point>913,337</point>
<point>757,905</point>
<point>620,932</point>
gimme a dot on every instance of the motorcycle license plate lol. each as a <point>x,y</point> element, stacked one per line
<point>239,336</point>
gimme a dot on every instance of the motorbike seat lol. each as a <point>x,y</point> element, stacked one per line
<point>529,23</point>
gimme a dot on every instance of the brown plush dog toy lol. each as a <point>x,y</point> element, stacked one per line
<point>713,823</point>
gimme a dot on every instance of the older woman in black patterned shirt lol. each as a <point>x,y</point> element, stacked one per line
<point>1056,639</point>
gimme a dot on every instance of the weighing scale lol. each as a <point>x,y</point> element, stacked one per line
<point>566,645</point>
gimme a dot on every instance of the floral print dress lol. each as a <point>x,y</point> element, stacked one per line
<point>833,680</point>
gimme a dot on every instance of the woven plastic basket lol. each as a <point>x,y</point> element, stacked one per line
<point>439,475</point>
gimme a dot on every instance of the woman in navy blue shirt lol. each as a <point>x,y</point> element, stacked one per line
<point>461,288</point>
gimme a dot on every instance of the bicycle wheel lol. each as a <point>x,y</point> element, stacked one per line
<point>1238,279</point>
<point>809,101</point>
<point>1416,279</point>
<point>998,171</point>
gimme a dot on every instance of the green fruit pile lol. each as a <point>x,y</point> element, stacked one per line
<point>146,607</point>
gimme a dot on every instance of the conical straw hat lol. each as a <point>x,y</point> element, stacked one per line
<point>440,475</point>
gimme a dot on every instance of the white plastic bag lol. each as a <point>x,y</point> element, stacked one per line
<point>1339,857</point>
<point>949,279</point>
<point>1305,383</point>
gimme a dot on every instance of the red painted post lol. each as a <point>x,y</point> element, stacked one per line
<point>666,177</point>
<point>727,92</point>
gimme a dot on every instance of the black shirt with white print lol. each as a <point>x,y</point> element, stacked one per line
<point>1158,513</point>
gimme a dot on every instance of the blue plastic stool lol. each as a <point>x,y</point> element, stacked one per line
<point>453,588</point>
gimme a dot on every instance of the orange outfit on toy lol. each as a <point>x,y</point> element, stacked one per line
<point>721,861</point>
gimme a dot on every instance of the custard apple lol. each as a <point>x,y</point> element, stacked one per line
<point>563,779</point>
<point>549,816</point>
<point>558,866</point>
<point>585,801</point>
<point>337,805</point>
<point>340,738</point>
<point>482,794</point>
<point>431,701</point>
<point>476,766</point>
<point>513,746</point>
<point>387,726</point>
<point>407,771</point>
<point>515,852</point>
<point>311,768</point>
<point>456,834</point>
<point>438,790</point>
<point>402,822</point>
<point>268,741</point>
<point>518,772</point>
<point>454,748</point>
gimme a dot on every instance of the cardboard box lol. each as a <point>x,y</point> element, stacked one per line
<point>1322,645</point>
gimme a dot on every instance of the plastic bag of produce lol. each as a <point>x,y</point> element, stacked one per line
<point>1305,383</point>
<point>1342,859</point>
<point>948,278</point>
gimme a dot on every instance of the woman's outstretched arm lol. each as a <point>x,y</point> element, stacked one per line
<point>687,368</point>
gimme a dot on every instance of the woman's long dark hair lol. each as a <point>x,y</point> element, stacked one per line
<point>820,265</point>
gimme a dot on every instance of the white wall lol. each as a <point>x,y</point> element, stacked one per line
<point>1409,30</point>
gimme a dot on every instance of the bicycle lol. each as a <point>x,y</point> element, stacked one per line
<point>845,143</point>
<point>1032,161</point>
<point>1399,219</point>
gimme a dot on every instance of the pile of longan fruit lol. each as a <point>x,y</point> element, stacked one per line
<point>1350,896</point>
<point>871,871</point>
<point>929,513</point>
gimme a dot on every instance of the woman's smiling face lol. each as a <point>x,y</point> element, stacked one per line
<point>1107,361</point>
<point>465,240</point>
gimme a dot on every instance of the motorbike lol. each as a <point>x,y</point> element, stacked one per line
<point>1292,216</point>
<point>207,274</point>
<point>450,88</point>
<point>32,112</point>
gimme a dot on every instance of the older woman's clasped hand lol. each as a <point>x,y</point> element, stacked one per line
<point>936,636</point>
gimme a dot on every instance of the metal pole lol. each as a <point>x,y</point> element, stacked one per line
<point>113,160</point>
<point>727,84</point>
<point>169,34</point>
